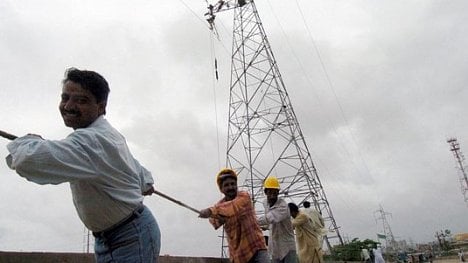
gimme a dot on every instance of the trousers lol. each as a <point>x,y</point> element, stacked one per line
<point>261,256</point>
<point>138,241</point>
<point>291,257</point>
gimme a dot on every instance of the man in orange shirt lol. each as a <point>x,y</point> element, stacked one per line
<point>236,212</point>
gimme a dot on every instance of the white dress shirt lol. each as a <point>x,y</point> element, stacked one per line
<point>106,181</point>
<point>281,239</point>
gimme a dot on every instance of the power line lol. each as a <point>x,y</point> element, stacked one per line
<point>331,86</point>
<point>194,13</point>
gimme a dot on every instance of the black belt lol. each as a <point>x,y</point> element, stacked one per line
<point>105,233</point>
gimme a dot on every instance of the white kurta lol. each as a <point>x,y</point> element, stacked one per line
<point>378,258</point>
<point>307,239</point>
<point>281,240</point>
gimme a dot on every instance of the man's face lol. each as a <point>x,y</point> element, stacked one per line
<point>229,188</point>
<point>78,106</point>
<point>272,195</point>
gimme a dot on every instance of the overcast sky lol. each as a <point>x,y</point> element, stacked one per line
<point>377,86</point>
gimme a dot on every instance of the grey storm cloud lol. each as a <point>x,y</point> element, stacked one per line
<point>377,87</point>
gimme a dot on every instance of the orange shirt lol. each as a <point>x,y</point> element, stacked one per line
<point>243,232</point>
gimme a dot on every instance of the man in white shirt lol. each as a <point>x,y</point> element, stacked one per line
<point>106,181</point>
<point>281,243</point>
<point>365,256</point>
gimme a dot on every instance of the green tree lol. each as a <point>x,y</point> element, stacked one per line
<point>442,237</point>
<point>352,250</point>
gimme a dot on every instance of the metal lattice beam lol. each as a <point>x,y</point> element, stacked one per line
<point>264,137</point>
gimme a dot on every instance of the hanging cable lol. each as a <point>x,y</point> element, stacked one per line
<point>194,13</point>
<point>333,126</point>
<point>213,56</point>
<point>330,85</point>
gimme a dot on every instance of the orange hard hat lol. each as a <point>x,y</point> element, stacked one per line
<point>224,173</point>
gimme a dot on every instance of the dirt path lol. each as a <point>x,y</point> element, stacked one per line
<point>451,260</point>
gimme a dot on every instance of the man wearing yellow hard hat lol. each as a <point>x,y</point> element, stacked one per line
<point>236,212</point>
<point>281,245</point>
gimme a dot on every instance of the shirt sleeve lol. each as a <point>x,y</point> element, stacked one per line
<point>231,208</point>
<point>321,223</point>
<point>262,220</point>
<point>146,178</point>
<point>277,213</point>
<point>300,220</point>
<point>50,162</point>
<point>215,223</point>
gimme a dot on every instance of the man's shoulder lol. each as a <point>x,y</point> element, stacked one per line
<point>99,129</point>
<point>302,215</point>
<point>281,202</point>
<point>243,197</point>
<point>243,193</point>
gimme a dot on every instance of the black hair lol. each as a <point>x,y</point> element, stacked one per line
<point>89,80</point>
<point>293,207</point>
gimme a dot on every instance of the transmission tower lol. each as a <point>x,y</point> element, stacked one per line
<point>86,239</point>
<point>264,137</point>
<point>391,244</point>
<point>459,158</point>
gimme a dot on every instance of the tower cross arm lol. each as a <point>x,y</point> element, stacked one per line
<point>223,5</point>
<point>220,6</point>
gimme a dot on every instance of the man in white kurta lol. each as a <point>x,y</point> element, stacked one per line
<point>317,219</point>
<point>378,257</point>
<point>307,237</point>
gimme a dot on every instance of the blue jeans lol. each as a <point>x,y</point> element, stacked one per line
<point>138,241</point>
<point>291,257</point>
<point>261,256</point>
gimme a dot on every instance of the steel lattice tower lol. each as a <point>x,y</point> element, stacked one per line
<point>459,158</point>
<point>391,244</point>
<point>264,137</point>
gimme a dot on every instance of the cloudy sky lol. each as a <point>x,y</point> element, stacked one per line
<point>377,86</point>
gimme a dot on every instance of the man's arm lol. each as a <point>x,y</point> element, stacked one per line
<point>232,207</point>
<point>146,179</point>
<point>216,221</point>
<point>300,220</point>
<point>50,162</point>
<point>276,213</point>
<point>150,190</point>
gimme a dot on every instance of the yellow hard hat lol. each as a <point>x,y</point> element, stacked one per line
<point>225,172</point>
<point>271,182</point>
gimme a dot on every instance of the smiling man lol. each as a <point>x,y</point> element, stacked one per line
<point>236,212</point>
<point>106,181</point>
<point>281,246</point>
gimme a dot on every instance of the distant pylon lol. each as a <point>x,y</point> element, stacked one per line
<point>264,137</point>
<point>391,244</point>
<point>86,239</point>
<point>459,158</point>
